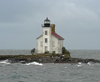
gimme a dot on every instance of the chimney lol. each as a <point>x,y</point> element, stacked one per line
<point>53,28</point>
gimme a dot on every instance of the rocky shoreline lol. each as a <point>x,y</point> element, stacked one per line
<point>44,59</point>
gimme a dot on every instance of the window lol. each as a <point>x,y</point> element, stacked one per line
<point>53,44</point>
<point>41,44</point>
<point>46,33</point>
<point>59,49</point>
<point>46,48</point>
<point>46,40</point>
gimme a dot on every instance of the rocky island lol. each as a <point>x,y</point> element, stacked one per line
<point>46,58</point>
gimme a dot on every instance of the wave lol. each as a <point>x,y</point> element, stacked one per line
<point>79,64</point>
<point>5,62</point>
<point>89,63</point>
<point>34,63</point>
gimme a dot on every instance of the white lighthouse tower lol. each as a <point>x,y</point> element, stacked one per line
<point>46,35</point>
<point>49,40</point>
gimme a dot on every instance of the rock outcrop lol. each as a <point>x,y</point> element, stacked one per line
<point>45,59</point>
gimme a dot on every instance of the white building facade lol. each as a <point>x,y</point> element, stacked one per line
<point>49,40</point>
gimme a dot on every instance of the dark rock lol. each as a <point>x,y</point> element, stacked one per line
<point>45,59</point>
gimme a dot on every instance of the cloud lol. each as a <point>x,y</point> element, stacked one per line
<point>20,22</point>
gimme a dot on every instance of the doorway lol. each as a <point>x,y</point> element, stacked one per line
<point>46,48</point>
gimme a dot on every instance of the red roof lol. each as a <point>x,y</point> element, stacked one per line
<point>57,36</point>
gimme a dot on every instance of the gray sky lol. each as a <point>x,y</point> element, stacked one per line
<point>77,21</point>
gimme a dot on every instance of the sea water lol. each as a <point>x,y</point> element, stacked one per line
<point>50,72</point>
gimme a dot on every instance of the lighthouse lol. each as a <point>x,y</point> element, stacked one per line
<point>49,41</point>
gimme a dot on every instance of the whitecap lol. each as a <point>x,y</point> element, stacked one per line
<point>90,64</point>
<point>34,63</point>
<point>79,63</point>
<point>5,61</point>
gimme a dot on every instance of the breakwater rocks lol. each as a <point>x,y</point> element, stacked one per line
<point>44,59</point>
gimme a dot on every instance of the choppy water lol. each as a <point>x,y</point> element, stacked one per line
<point>35,72</point>
<point>50,73</point>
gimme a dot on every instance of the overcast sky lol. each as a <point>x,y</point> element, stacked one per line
<point>77,21</point>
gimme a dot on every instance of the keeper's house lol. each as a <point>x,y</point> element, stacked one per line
<point>49,40</point>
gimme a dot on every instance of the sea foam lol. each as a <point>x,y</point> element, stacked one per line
<point>34,63</point>
<point>79,64</point>
<point>5,61</point>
